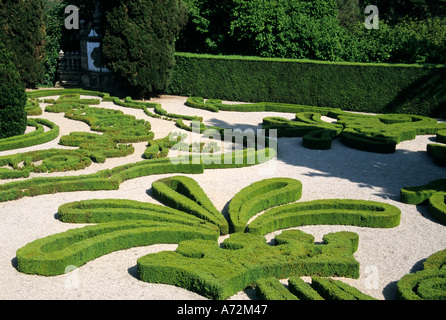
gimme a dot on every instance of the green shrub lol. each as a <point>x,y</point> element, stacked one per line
<point>420,194</point>
<point>360,141</point>
<point>302,290</point>
<point>436,261</point>
<point>337,290</point>
<point>437,206</point>
<point>441,136</point>
<point>13,99</point>
<point>102,180</point>
<point>52,255</point>
<point>39,136</point>
<point>365,87</point>
<point>185,194</point>
<point>260,196</point>
<point>423,285</point>
<point>272,289</point>
<point>104,211</point>
<point>428,284</point>
<point>330,212</point>
<point>32,108</point>
<point>217,273</point>
<point>438,153</point>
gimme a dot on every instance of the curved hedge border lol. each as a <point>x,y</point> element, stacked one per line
<point>260,196</point>
<point>437,206</point>
<point>205,268</point>
<point>433,194</point>
<point>373,133</point>
<point>102,180</point>
<point>38,136</point>
<point>438,151</point>
<point>185,194</point>
<point>100,211</point>
<point>52,255</point>
<point>428,284</point>
<point>319,289</point>
<point>420,194</point>
<point>199,264</point>
<point>329,212</point>
<point>52,160</point>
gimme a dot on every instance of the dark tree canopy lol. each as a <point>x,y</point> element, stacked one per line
<point>139,42</point>
<point>12,98</point>
<point>22,25</point>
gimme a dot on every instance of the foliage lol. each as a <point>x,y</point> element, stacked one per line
<point>372,88</point>
<point>139,42</point>
<point>427,284</point>
<point>23,31</point>
<point>374,133</point>
<point>53,41</point>
<point>409,30</point>
<point>35,137</point>
<point>13,117</point>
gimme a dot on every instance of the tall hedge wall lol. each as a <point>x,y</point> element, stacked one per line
<point>375,88</point>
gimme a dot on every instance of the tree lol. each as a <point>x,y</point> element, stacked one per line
<point>139,42</point>
<point>12,98</point>
<point>22,25</point>
<point>287,28</point>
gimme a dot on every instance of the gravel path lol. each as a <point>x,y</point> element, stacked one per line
<point>385,255</point>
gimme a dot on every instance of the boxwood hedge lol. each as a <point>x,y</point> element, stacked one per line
<point>260,196</point>
<point>38,136</point>
<point>52,255</point>
<point>359,213</point>
<point>185,194</point>
<point>205,268</point>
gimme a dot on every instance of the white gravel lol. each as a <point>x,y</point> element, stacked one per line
<point>385,255</point>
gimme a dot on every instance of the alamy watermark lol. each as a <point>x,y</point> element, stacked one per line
<point>72,21</point>
<point>372,21</point>
<point>237,148</point>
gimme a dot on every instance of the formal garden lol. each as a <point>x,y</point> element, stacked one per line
<point>267,174</point>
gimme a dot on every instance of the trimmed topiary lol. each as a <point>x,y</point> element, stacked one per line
<point>428,284</point>
<point>217,273</point>
<point>302,290</point>
<point>260,196</point>
<point>437,206</point>
<point>330,212</point>
<point>185,194</point>
<point>13,117</point>
<point>331,289</point>
<point>272,289</point>
<point>38,136</point>
<point>419,194</point>
<point>438,153</point>
<point>52,255</point>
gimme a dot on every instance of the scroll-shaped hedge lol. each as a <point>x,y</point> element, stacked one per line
<point>441,136</point>
<point>419,194</point>
<point>108,210</point>
<point>102,180</point>
<point>185,194</point>
<point>52,255</point>
<point>319,289</point>
<point>38,136</point>
<point>317,133</point>
<point>260,196</point>
<point>382,133</point>
<point>428,284</point>
<point>272,289</point>
<point>217,273</point>
<point>438,153</point>
<point>437,206</point>
<point>359,213</point>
